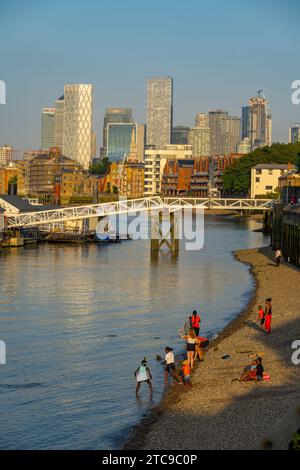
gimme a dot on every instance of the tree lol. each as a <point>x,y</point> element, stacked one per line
<point>101,168</point>
<point>237,177</point>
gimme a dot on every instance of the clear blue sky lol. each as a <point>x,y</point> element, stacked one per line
<point>219,52</point>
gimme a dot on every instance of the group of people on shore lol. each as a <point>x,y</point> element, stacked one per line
<point>265,316</point>
<point>194,348</point>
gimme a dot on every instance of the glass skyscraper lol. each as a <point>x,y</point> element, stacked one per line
<point>294,134</point>
<point>180,135</point>
<point>245,122</point>
<point>115,115</point>
<point>159,111</point>
<point>48,115</point>
<point>59,123</point>
<point>119,139</point>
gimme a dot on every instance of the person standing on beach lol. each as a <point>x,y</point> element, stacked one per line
<point>191,341</point>
<point>170,366</point>
<point>143,375</point>
<point>195,322</point>
<point>261,315</point>
<point>268,315</point>
<point>278,257</point>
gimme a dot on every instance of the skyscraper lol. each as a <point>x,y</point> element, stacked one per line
<point>260,122</point>
<point>115,115</point>
<point>159,111</point>
<point>59,123</point>
<point>78,123</point>
<point>245,122</point>
<point>48,115</point>
<point>294,134</point>
<point>180,135</point>
<point>199,136</point>
<point>224,132</point>
<point>119,139</point>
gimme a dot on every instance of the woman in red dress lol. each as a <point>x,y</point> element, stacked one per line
<point>268,316</point>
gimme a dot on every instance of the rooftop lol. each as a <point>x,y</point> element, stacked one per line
<point>271,166</point>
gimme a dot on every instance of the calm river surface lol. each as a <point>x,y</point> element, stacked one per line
<point>77,320</point>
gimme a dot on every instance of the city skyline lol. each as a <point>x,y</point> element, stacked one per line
<point>35,72</point>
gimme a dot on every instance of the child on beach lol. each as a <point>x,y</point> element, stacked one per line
<point>261,315</point>
<point>143,375</point>
<point>186,374</point>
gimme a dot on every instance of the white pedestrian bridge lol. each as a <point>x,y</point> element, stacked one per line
<point>122,206</point>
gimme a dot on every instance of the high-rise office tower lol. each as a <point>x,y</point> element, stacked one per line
<point>78,123</point>
<point>260,122</point>
<point>269,129</point>
<point>59,123</point>
<point>234,133</point>
<point>48,115</point>
<point>119,136</point>
<point>180,135</point>
<point>199,136</point>
<point>159,111</point>
<point>294,134</point>
<point>115,115</point>
<point>224,132</point>
<point>140,141</point>
<point>245,122</point>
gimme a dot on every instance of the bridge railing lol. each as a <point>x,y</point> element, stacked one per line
<point>122,206</point>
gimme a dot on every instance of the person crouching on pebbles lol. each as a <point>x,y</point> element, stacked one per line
<point>186,374</point>
<point>143,375</point>
<point>170,366</point>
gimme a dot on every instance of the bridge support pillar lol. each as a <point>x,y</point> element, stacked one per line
<point>164,232</point>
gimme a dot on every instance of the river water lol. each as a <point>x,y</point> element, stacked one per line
<point>78,319</point>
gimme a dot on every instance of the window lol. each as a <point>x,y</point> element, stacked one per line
<point>258,171</point>
<point>270,172</point>
<point>257,180</point>
<point>269,188</point>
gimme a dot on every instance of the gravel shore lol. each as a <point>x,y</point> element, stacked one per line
<point>218,413</point>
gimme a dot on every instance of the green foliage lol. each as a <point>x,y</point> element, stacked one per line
<point>101,168</point>
<point>115,190</point>
<point>237,177</point>
<point>80,200</point>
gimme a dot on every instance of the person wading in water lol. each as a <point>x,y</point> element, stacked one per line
<point>195,322</point>
<point>143,375</point>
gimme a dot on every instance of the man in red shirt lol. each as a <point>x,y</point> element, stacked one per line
<point>195,322</point>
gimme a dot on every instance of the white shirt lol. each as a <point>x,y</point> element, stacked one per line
<point>169,358</point>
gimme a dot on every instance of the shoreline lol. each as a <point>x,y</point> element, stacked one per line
<point>172,410</point>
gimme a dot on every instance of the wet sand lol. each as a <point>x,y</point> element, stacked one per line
<point>218,413</point>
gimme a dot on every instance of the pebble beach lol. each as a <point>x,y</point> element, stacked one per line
<point>222,413</point>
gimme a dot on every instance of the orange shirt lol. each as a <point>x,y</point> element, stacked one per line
<point>195,321</point>
<point>186,370</point>
<point>261,313</point>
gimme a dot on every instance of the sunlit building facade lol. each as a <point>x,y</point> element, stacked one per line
<point>159,111</point>
<point>78,110</point>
